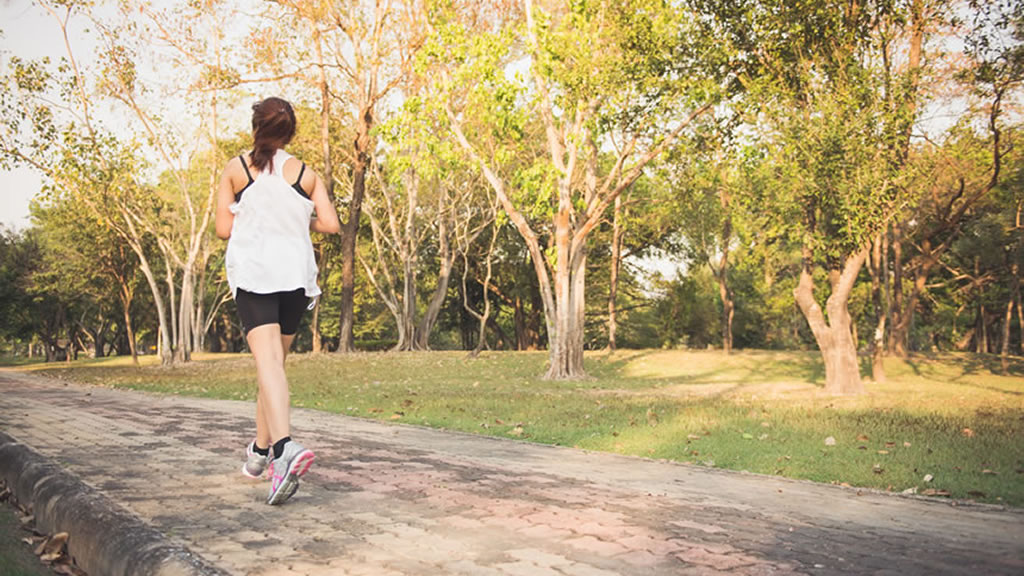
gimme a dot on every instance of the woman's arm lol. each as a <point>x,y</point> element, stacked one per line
<point>225,197</point>
<point>326,221</point>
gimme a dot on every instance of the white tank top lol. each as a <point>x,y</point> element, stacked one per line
<point>270,249</point>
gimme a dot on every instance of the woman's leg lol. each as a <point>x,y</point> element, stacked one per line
<point>263,438</point>
<point>273,406</point>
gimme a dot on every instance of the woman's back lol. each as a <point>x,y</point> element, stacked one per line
<point>269,249</point>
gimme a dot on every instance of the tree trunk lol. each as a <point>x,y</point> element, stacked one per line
<point>325,149</point>
<point>1005,351</point>
<point>130,335</point>
<point>351,229</point>
<point>564,364</point>
<point>1020,319</point>
<point>613,284</point>
<point>877,270</point>
<point>183,352</point>
<point>722,273</point>
<point>728,307</point>
<point>898,337</point>
<point>163,339</point>
<point>833,336</point>
<point>434,306</point>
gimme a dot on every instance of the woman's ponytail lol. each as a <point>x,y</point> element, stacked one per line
<point>273,125</point>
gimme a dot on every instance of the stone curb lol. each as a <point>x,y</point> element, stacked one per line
<point>104,539</point>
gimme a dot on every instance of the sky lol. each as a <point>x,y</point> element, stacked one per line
<point>26,32</point>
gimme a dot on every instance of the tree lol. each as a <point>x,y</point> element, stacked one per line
<point>828,185</point>
<point>989,78</point>
<point>600,74</point>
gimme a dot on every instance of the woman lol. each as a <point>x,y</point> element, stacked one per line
<point>265,209</point>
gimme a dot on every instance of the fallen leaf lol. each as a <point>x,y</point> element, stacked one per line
<point>862,447</point>
<point>968,432</point>
<point>883,451</point>
<point>862,438</point>
<point>762,437</point>
<point>988,472</point>
<point>910,490</point>
<point>56,543</point>
<point>877,469</point>
<point>766,424</point>
<point>26,520</point>
<point>976,493</point>
<point>499,421</point>
<point>890,444</point>
<point>906,444</point>
<point>928,478</point>
<point>517,431</point>
<point>935,492</point>
<point>693,437</point>
<point>397,415</point>
<point>748,436</point>
<point>830,441</point>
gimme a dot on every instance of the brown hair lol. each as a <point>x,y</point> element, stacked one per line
<point>273,125</point>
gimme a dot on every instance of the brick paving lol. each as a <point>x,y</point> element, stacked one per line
<point>387,499</point>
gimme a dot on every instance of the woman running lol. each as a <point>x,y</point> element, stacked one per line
<point>266,206</point>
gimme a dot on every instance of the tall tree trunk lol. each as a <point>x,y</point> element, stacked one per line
<point>130,332</point>
<point>482,339</point>
<point>183,352</point>
<point>325,149</point>
<point>349,232</point>
<point>722,273</point>
<point>833,336</point>
<point>899,339</point>
<point>877,269</point>
<point>429,319</point>
<point>982,342</point>
<point>561,316</point>
<point>199,320</point>
<point>899,336</point>
<point>613,284</point>
<point>1015,279</point>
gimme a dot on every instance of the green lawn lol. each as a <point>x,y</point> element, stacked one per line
<point>953,417</point>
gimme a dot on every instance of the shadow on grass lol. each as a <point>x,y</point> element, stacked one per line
<point>739,368</point>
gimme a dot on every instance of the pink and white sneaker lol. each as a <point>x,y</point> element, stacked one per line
<point>286,471</point>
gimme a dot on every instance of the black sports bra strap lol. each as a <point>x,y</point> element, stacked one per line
<point>245,167</point>
<point>298,182</point>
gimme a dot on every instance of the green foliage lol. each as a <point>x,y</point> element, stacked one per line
<point>19,255</point>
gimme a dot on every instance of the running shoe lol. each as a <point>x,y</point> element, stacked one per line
<point>286,470</point>
<point>255,463</point>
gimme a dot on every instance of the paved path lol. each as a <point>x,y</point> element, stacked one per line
<point>391,499</point>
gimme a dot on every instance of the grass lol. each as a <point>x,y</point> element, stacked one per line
<point>953,417</point>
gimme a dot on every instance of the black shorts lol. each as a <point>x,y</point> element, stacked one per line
<point>284,308</point>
